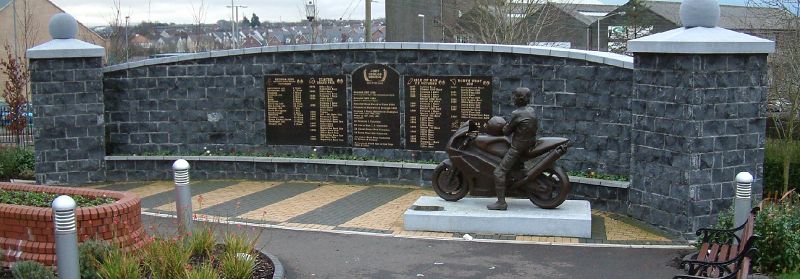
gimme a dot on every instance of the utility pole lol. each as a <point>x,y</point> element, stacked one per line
<point>233,25</point>
<point>368,21</point>
<point>235,19</point>
<point>127,49</point>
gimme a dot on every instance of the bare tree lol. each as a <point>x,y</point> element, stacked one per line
<point>27,25</point>
<point>200,42</point>
<point>784,70</point>
<point>116,38</point>
<point>510,21</point>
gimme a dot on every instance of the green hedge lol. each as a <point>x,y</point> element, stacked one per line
<point>773,165</point>
<point>16,162</point>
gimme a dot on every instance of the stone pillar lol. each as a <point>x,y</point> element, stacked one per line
<point>67,97</point>
<point>698,119</point>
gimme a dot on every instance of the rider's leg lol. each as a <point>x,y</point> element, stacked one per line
<point>500,179</point>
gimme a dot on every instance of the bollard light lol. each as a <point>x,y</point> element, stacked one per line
<point>66,237</point>
<point>183,195</point>
<point>742,203</point>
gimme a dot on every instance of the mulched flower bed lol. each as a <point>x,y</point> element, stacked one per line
<point>263,269</point>
<point>41,199</point>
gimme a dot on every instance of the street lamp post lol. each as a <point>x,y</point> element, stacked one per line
<point>311,13</point>
<point>598,25</point>
<point>127,49</point>
<point>423,26</point>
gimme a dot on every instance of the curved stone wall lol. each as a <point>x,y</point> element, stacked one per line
<point>166,105</point>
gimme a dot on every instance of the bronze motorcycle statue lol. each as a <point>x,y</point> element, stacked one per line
<point>473,156</point>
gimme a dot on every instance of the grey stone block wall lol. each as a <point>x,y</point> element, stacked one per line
<point>67,97</point>
<point>697,121</point>
<point>218,103</point>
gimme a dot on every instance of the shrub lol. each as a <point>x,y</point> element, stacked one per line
<point>778,228</point>
<point>91,255</point>
<point>203,272</point>
<point>30,270</point>
<point>202,241</point>
<point>16,162</point>
<point>166,259</point>
<point>778,225</point>
<point>118,264</point>
<point>237,266</point>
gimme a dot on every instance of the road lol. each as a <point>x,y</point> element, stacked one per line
<point>310,254</point>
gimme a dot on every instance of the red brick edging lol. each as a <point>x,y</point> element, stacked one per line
<point>27,233</point>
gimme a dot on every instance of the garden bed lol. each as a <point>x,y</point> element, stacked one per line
<point>27,233</point>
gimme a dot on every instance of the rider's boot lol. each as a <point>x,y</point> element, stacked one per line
<point>501,200</point>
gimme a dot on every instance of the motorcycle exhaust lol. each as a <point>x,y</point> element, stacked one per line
<point>547,162</point>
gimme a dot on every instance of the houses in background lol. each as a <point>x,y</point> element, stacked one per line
<point>164,38</point>
<point>570,24</point>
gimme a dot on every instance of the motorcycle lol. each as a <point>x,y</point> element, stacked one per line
<point>473,156</point>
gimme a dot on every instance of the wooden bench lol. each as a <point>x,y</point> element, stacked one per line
<point>722,253</point>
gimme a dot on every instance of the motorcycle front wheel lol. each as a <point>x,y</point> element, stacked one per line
<point>552,189</point>
<point>448,183</point>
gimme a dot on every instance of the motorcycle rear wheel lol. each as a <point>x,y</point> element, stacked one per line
<point>448,183</point>
<point>557,188</point>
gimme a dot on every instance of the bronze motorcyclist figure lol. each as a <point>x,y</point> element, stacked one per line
<point>522,127</point>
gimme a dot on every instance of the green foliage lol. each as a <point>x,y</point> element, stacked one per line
<point>203,272</point>
<point>41,199</point>
<point>31,270</point>
<point>592,174</point>
<point>118,264</point>
<point>774,153</point>
<point>16,162</point>
<point>724,222</point>
<point>202,241</point>
<point>238,243</point>
<point>237,266</point>
<point>91,254</point>
<point>793,275</point>
<point>778,226</point>
<point>166,259</point>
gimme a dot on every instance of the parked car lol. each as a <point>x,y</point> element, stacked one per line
<point>27,112</point>
<point>778,106</point>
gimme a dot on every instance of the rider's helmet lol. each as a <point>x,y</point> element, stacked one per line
<point>521,96</point>
<point>495,126</point>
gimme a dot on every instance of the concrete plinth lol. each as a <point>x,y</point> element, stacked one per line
<point>573,218</point>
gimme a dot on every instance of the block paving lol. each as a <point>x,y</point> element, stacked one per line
<point>353,208</point>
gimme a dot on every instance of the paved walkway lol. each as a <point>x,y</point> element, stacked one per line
<point>350,208</point>
<point>315,254</point>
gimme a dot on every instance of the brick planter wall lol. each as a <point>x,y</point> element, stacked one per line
<point>27,233</point>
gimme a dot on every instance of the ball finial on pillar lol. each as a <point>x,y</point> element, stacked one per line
<point>63,26</point>
<point>699,13</point>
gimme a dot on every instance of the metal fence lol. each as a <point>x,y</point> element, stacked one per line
<point>7,137</point>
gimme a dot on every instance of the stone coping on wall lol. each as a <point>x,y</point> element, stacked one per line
<point>607,58</point>
<point>576,179</point>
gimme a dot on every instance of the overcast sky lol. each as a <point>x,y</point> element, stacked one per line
<point>98,12</point>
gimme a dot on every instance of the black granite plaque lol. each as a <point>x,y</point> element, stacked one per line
<point>306,110</point>
<point>436,106</point>
<point>376,107</point>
